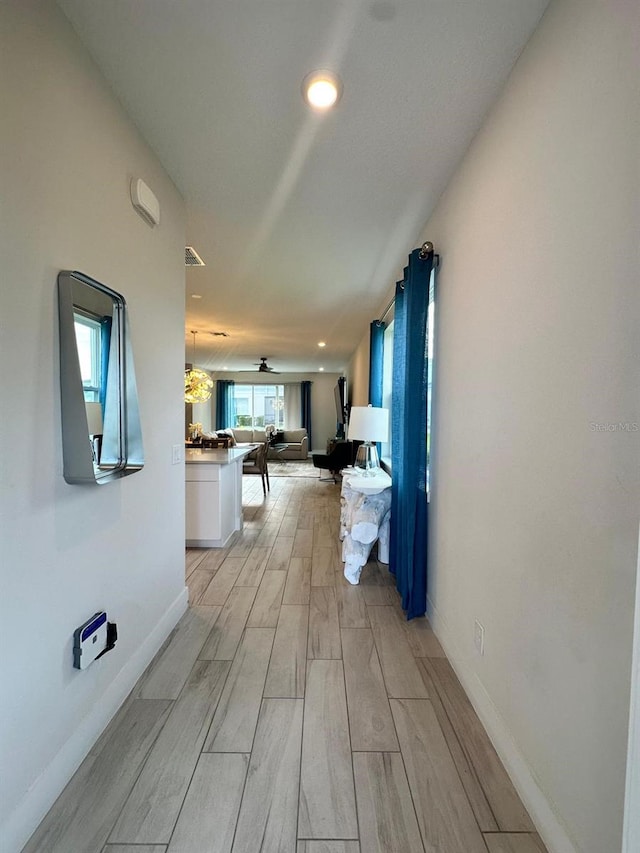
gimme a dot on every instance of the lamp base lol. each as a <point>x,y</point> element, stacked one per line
<point>367,459</point>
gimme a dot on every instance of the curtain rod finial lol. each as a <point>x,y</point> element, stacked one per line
<point>426,250</point>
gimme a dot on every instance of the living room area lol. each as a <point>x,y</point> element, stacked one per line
<point>251,408</point>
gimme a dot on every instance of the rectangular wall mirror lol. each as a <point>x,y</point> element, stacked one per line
<point>101,434</point>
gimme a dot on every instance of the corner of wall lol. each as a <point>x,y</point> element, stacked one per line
<point>547,822</point>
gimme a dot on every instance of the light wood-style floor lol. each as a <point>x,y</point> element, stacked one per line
<point>291,712</point>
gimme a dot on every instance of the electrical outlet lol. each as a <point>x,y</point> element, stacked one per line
<point>176,454</point>
<point>478,637</point>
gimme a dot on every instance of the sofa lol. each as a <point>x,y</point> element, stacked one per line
<point>296,440</point>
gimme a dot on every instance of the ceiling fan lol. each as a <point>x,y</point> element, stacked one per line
<point>262,366</point>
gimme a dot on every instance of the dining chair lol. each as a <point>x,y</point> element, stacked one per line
<point>258,465</point>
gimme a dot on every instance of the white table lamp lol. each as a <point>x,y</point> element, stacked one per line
<point>369,424</point>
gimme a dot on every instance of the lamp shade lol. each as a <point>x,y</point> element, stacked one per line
<point>368,423</point>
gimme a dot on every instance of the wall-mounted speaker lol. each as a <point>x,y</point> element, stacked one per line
<point>145,202</point>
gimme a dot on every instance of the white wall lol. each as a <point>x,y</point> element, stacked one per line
<point>323,407</point>
<point>535,510</point>
<point>68,153</point>
<point>358,373</point>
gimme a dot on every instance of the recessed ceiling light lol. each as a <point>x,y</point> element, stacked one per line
<point>321,369</point>
<point>321,89</point>
<point>321,344</point>
<point>196,296</point>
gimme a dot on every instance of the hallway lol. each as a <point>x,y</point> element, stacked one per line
<point>291,712</point>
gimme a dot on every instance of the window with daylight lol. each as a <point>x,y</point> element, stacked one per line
<point>258,406</point>
<point>89,343</point>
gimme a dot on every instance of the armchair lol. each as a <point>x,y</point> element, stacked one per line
<point>340,457</point>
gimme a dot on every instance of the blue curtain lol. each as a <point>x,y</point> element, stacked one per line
<point>409,520</point>
<point>305,408</point>
<point>105,345</point>
<point>376,358</point>
<point>224,403</point>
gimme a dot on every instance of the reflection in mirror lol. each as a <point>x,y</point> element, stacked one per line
<point>101,433</point>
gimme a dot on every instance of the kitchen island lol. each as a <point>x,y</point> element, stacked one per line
<point>213,480</point>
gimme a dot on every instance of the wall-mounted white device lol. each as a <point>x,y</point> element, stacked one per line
<point>90,640</point>
<point>145,201</point>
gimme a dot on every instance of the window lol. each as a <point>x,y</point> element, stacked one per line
<point>258,406</point>
<point>89,343</point>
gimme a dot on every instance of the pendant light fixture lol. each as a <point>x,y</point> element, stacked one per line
<point>197,383</point>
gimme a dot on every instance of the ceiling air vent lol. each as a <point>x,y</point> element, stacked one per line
<point>192,258</point>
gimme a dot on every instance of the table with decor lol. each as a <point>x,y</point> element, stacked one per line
<point>364,518</point>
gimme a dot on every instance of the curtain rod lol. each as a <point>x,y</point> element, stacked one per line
<point>425,249</point>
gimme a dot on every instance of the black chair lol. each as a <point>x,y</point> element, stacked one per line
<point>340,457</point>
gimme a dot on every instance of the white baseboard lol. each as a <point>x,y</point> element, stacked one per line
<point>47,787</point>
<point>545,819</point>
<point>631,832</point>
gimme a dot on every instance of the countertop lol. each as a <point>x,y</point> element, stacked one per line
<point>198,456</point>
<point>366,485</point>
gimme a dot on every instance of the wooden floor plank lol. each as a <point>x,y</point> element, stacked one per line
<point>134,848</point>
<point>266,608</point>
<point>223,581</point>
<point>224,638</point>
<point>324,628</point>
<point>323,532</point>
<point>401,674</point>
<point>370,721</point>
<point>385,810</point>
<point>323,566</point>
<point>213,559</point>
<point>422,641</point>
<point>83,815</point>
<point>378,584</point>
<point>288,526</point>
<point>514,842</point>
<point>197,582</point>
<point>267,821</point>
<point>234,722</point>
<point>169,670</point>
<point>328,847</point>
<point>150,813</point>
<point>288,664</point>
<point>305,522</point>
<point>243,543</point>
<point>444,815</point>
<point>280,554</point>
<point>193,556</point>
<point>352,610</point>
<point>475,794</point>
<point>303,542</point>
<point>254,567</point>
<point>208,819</point>
<point>297,589</point>
<point>327,801</point>
<point>268,534</point>
<point>505,804</point>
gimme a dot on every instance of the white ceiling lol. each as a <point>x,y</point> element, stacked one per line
<point>304,220</point>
